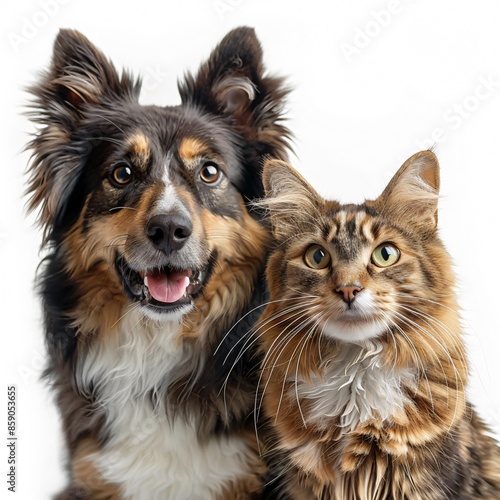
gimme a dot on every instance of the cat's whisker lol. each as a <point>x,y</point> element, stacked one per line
<point>429,301</point>
<point>260,306</point>
<point>421,372</point>
<point>271,323</point>
<point>265,361</point>
<point>273,349</point>
<point>285,379</point>
<point>376,367</point>
<point>311,332</point>
<point>458,382</point>
<point>451,335</point>
<point>253,337</point>
<point>302,293</point>
<point>302,342</point>
<point>284,471</point>
<point>284,340</point>
<point>419,328</point>
<point>282,345</point>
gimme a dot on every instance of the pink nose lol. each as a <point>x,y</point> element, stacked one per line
<point>348,292</point>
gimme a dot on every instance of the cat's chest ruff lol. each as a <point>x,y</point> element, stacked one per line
<point>356,387</point>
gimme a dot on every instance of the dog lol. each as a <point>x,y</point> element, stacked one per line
<point>153,268</point>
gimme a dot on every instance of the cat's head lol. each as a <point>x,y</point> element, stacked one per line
<point>355,273</point>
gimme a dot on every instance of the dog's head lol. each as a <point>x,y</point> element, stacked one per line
<point>140,202</point>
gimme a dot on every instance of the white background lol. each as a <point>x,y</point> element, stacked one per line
<point>361,105</point>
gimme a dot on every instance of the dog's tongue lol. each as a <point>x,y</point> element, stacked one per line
<point>166,286</point>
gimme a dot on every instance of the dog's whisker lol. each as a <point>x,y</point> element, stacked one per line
<point>123,208</point>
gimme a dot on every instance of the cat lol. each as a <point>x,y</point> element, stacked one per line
<point>364,366</point>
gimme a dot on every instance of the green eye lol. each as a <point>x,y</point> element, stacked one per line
<point>385,255</point>
<point>316,257</point>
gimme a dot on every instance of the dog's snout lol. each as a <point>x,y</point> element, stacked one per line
<point>169,232</point>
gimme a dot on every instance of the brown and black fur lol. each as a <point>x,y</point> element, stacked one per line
<point>431,445</point>
<point>90,121</point>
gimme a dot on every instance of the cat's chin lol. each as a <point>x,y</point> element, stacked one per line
<point>353,331</point>
<point>359,323</point>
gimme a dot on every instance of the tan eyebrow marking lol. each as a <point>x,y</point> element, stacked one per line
<point>140,149</point>
<point>190,148</point>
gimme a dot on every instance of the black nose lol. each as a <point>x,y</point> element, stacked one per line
<point>169,232</point>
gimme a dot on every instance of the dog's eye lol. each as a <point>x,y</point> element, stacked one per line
<point>210,172</point>
<point>122,174</point>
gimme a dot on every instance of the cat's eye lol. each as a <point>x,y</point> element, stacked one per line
<point>122,174</point>
<point>210,172</point>
<point>385,255</point>
<point>316,257</point>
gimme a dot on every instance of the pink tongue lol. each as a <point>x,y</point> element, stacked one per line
<point>165,287</point>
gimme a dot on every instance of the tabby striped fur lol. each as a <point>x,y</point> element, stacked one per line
<point>365,368</point>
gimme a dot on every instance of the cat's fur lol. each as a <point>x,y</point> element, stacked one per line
<point>365,367</point>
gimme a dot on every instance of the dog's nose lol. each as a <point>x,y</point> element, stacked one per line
<point>348,292</point>
<point>169,232</point>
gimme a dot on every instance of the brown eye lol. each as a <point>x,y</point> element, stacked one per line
<point>385,255</point>
<point>210,172</point>
<point>317,257</point>
<point>122,174</point>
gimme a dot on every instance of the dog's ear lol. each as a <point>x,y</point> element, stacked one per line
<point>78,78</point>
<point>233,83</point>
<point>79,75</point>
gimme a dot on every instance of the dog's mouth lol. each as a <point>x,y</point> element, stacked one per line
<point>164,289</point>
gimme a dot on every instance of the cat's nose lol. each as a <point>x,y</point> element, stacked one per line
<point>349,292</point>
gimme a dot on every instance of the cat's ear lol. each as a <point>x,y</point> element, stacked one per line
<point>412,194</point>
<point>292,203</point>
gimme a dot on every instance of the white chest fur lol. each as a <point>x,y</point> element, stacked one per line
<point>164,460</point>
<point>149,455</point>
<point>356,387</point>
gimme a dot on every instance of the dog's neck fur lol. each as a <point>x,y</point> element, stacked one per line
<point>120,351</point>
<point>138,353</point>
<point>132,372</point>
<point>149,379</point>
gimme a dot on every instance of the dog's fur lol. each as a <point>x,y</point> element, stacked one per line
<point>123,190</point>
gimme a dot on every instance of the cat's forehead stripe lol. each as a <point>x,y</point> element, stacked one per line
<point>367,227</point>
<point>351,230</point>
<point>351,225</point>
<point>333,232</point>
